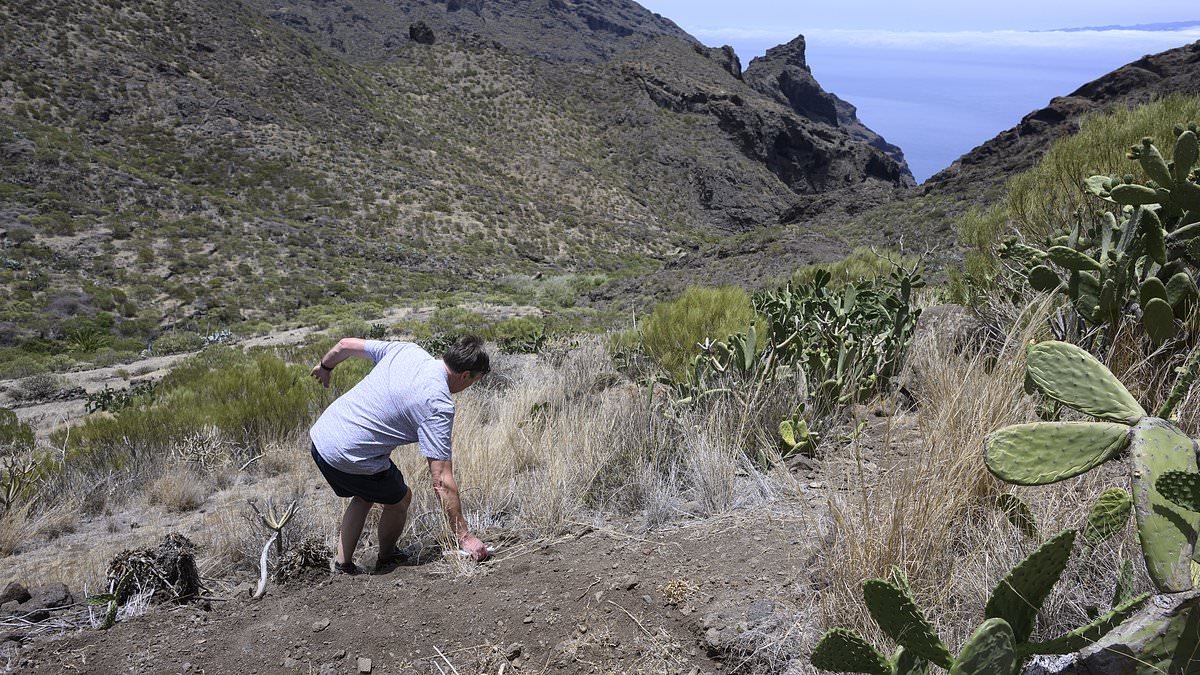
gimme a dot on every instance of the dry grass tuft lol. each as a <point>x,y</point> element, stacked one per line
<point>178,489</point>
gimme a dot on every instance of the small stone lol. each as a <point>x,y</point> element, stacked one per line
<point>528,619</point>
<point>289,662</point>
<point>647,599</point>
<point>364,664</point>
<point>514,650</point>
<point>816,485</point>
<point>328,669</point>
<point>760,609</point>
<point>14,592</point>
<point>339,654</point>
<point>320,625</point>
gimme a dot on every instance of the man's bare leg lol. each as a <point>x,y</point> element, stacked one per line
<point>352,524</point>
<point>391,524</point>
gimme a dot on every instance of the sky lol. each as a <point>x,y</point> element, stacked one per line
<point>939,78</point>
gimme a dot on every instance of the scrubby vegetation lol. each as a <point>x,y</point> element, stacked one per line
<point>715,400</point>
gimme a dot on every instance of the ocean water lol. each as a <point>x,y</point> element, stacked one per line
<point>938,101</point>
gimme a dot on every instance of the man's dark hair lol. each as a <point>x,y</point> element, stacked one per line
<point>467,355</point>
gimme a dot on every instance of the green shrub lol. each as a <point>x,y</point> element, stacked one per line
<point>39,387</point>
<point>863,263</point>
<point>670,335</point>
<point>177,343</point>
<point>519,335</point>
<point>15,435</point>
<point>251,399</point>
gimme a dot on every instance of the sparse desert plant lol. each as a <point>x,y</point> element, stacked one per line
<point>39,387</point>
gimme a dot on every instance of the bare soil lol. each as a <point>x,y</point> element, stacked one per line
<point>598,599</point>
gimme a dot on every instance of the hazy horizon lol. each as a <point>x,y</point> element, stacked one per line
<point>940,92</point>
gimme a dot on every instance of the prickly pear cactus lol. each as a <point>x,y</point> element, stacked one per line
<point>898,615</point>
<point>1167,531</point>
<point>845,651</point>
<point>1102,269</point>
<point>1036,454</point>
<point>1020,594</point>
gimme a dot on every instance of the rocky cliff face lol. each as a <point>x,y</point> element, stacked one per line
<point>985,168</point>
<point>783,75</point>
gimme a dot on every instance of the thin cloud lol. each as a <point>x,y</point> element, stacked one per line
<point>1150,40</point>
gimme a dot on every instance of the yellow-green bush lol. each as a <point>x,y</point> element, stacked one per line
<point>671,332</point>
<point>862,263</point>
<point>251,399</point>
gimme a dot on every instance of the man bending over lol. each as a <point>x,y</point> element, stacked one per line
<point>404,399</point>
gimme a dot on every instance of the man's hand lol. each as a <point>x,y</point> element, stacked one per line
<point>476,548</point>
<point>321,375</point>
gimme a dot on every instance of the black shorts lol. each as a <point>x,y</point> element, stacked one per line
<point>385,487</point>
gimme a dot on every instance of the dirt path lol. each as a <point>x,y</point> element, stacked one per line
<point>691,599</point>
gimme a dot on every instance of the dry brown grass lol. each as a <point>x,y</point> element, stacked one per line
<point>178,489</point>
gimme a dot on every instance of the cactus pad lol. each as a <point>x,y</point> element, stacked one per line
<point>1181,487</point>
<point>1187,196</point>
<point>1075,378</point>
<point>902,620</point>
<point>1107,516</point>
<point>1020,594</point>
<point>1181,292</point>
<point>1152,288</point>
<point>1184,155</point>
<point>1154,238</point>
<point>1154,165</point>
<point>1167,531</point>
<point>1085,635</point>
<point>991,650</point>
<point>1123,590</point>
<point>1159,320</point>
<point>908,663</point>
<point>1018,514</point>
<point>1072,259</point>
<point>1046,452</point>
<point>1044,279</point>
<point>845,651</point>
<point>1134,195</point>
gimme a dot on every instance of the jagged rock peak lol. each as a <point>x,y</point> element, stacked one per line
<point>783,75</point>
<point>791,54</point>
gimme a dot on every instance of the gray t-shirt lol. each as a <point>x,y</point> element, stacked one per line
<point>404,399</point>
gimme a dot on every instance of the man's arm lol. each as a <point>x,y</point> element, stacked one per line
<point>442,472</point>
<point>344,349</point>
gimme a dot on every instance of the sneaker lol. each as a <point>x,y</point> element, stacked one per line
<point>346,568</point>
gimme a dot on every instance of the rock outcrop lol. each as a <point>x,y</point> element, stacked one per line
<point>783,75</point>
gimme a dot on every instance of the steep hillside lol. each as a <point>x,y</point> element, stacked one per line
<point>984,169</point>
<point>186,162</point>
<point>559,30</point>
